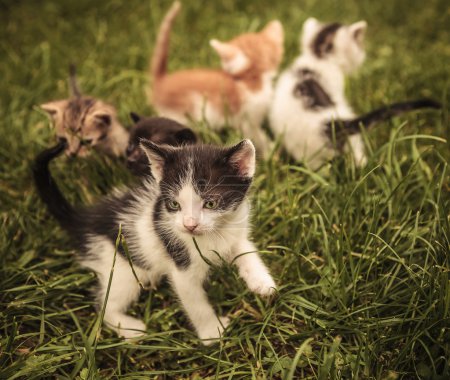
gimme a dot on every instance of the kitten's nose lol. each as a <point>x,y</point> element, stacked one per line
<point>190,224</point>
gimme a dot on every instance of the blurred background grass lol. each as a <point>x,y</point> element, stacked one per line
<point>361,256</point>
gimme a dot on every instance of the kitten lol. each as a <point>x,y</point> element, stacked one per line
<point>239,94</point>
<point>198,191</point>
<point>158,130</point>
<point>310,111</point>
<point>85,122</point>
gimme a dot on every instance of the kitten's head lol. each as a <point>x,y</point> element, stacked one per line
<point>83,121</point>
<point>252,53</point>
<point>158,130</point>
<point>342,44</point>
<point>202,186</point>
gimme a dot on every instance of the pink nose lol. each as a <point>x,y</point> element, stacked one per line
<point>190,224</point>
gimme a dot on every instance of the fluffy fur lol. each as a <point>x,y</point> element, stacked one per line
<point>159,130</point>
<point>85,122</point>
<point>198,191</point>
<point>310,111</point>
<point>240,94</point>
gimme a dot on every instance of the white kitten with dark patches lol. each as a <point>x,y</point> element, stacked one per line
<point>198,191</point>
<point>85,122</point>
<point>310,111</point>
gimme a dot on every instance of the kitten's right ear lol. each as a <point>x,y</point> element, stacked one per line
<point>135,117</point>
<point>157,156</point>
<point>54,108</point>
<point>242,156</point>
<point>186,136</point>
<point>234,61</point>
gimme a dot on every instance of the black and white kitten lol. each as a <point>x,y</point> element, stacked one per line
<point>310,111</point>
<point>159,130</point>
<point>198,191</point>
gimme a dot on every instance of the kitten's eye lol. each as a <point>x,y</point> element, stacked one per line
<point>173,205</point>
<point>210,205</point>
<point>86,142</point>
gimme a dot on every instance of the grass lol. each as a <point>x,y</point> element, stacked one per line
<point>361,256</point>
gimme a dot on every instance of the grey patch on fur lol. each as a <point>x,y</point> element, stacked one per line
<point>323,43</point>
<point>309,90</point>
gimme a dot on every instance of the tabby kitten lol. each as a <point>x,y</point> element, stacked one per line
<point>198,191</point>
<point>240,94</point>
<point>310,111</point>
<point>85,122</point>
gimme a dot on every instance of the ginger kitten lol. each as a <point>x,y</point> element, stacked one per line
<point>85,122</point>
<point>240,94</point>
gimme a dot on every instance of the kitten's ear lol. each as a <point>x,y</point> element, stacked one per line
<point>103,118</point>
<point>358,31</point>
<point>186,136</point>
<point>234,61</point>
<point>310,25</point>
<point>309,30</point>
<point>135,117</point>
<point>157,156</point>
<point>274,32</point>
<point>54,108</point>
<point>242,157</point>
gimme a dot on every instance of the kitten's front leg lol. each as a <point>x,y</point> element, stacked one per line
<point>189,288</point>
<point>252,269</point>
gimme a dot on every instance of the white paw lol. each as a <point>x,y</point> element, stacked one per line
<point>213,331</point>
<point>261,284</point>
<point>129,327</point>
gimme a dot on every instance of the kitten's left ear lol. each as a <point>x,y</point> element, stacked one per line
<point>242,157</point>
<point>358,30</point>
<point>157,156</point>
<point>274,32</point>
<point>234,61</point>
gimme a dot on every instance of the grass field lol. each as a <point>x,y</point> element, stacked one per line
<point>361,256</point>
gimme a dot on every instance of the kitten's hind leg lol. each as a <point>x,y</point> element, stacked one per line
<point>123,291</point>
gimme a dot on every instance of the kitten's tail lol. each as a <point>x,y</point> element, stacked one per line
<point>73,84</point>
<point>158,64</point>
<point>351,127</point>
<point>49,192</point>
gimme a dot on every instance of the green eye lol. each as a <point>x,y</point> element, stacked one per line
<point>173,205</point>
<point>210,205</point>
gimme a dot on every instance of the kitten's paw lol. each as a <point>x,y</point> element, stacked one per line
<point>225,321</point>
<point>130,328</point>
<point>212,333</point>
<point>262,284</point>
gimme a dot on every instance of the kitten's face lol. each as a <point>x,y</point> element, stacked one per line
<point>158,130</point>
<point>83,121</point>
<point>252,52</point>
<point>342,44</point>
<point>201,185</point>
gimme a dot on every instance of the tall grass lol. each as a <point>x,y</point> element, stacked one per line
<point>361,255</point>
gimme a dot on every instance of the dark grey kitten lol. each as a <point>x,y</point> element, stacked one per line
<point>159,130</point>
<point>198,191</point>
